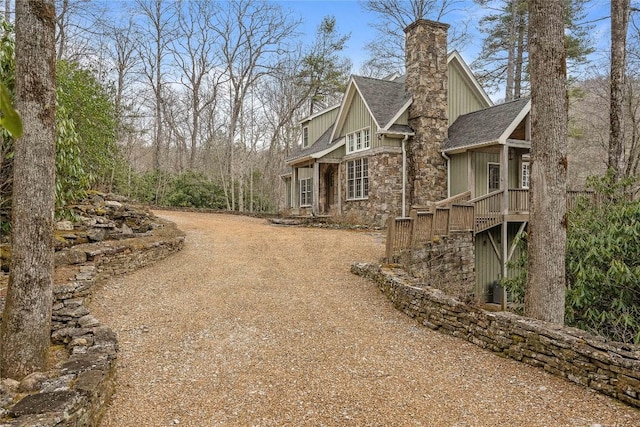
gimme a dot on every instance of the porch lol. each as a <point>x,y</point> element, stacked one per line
<point>461,213</point>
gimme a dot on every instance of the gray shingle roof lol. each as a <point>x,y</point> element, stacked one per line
<point>384,98</point>
<point>320,145</point>
<point>483,126</point>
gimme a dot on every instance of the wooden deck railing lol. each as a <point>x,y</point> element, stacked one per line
<point>574,196</point>
<point>425,224</point>
<point>518,200</point>
<point>460,213</point>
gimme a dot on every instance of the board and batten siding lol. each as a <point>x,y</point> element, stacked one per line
<point>304,173</point>
<point>481,161</point>
<point>358,117</point>
<point>459,170</point>
<point>335,155</point>
<point>488,268</point>
<point>462,96</point>
<point>318,125</point>
<point>481,167</point>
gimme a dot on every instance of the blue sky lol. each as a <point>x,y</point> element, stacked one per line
<point>352,19</point>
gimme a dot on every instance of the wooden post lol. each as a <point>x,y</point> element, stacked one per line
<point>413,215</point>
<point>316,189</point>
<point>504,182</point>
<point>391,237</point>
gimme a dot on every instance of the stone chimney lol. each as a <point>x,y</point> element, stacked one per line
<point>427,82</point>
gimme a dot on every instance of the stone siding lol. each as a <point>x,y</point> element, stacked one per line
<point>447,263</point>
<point>75,393</point>
<point>385,190</point>
<point>427,81</point>
<point>608,367</point>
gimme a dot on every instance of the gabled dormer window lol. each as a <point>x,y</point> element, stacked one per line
<point>359,140</point>
<point>305,137</point>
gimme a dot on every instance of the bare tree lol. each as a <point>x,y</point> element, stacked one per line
<point>157,33</point>
<point>252,35</point>
<point>26,323</point>
<point>619,27</point>
<point>77,28</point>
<point>545,288</point>
<point>195,54</point>
<point>391,17</point>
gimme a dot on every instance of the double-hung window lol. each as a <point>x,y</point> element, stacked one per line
<point>305,192</point>
<point>526,174</point>
<point>359,140</point>
<point>358,179</point>
<point>493,177</point>
<point>305,137</point>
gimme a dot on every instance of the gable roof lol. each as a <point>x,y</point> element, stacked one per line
<point>383,98</point>
<point>487,126</point>
<point>468,75</point>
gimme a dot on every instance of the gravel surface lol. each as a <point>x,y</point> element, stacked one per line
<point>260,325</point>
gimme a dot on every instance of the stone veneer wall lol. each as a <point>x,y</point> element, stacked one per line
<point>385,189</point>
<point>76,392</point>
<point>608,367</point>
<point>447,263</point>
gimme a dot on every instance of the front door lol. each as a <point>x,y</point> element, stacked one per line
<point>329,190</point>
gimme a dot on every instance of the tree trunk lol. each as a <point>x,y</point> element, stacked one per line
<point>545,290</point>
<point>511,52</point>
<point>520,50</point>
<point>26,323</point>
<point>619,24</point>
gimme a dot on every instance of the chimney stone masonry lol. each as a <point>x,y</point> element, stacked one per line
<point>427,82</point>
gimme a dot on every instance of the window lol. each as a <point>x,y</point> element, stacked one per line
<point>358,179</point>
<point>351,143</point>
<point>305,192</point>
<point>305,137</point>
<point>493,177</point>
<point>525,174</point>
<point>359,140</point>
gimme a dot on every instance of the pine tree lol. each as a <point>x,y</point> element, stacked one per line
<point>504,58</point>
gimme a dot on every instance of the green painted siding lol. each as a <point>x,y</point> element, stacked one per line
<point>304,173</point>
<point>403,119</point>
<point>336,154</point>
<point>488,268</point>
<point>481,161</point>
<point>462,96</point>
<point>318,125</point>
<point>459,173</point>
<point>514,172</point>
<point>358,117</point>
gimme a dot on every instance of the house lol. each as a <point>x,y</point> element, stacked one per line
<point>430,136</point>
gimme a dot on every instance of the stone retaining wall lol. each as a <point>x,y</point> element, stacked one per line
<point>75,393</point>
<point>611,368</point>
<point>447,263</point>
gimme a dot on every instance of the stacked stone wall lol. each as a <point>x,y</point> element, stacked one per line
<point>427,81</point>
<point>447,263</point>
<point>385,190</point>
<point>608,367</point>
<point>75,393</point>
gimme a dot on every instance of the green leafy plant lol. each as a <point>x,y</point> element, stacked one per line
<point>603,262</point>
<point>72,179</point>
<point>515,284</point>
<point>602,265</point>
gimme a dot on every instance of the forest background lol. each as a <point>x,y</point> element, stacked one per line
<point>197,103</point>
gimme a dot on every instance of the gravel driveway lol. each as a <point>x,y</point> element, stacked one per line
<point>260,325</point>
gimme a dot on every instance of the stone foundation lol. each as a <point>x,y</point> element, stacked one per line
<point>447,263</point>
<point>610,368</point>
<point>385,190</point>
<point>76,391</point>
